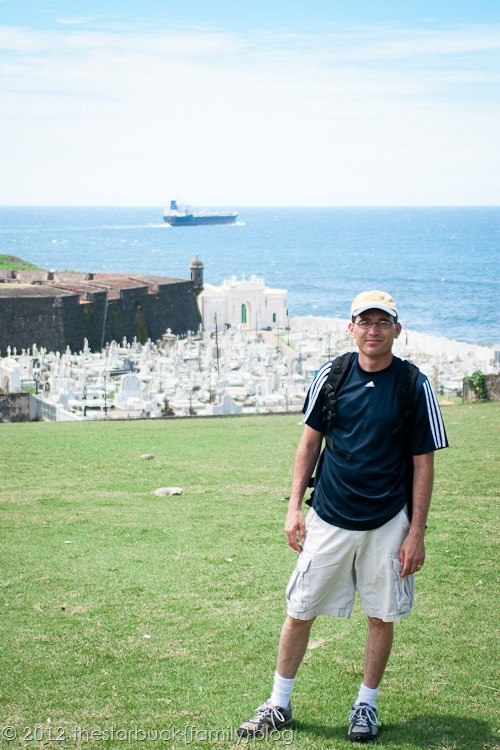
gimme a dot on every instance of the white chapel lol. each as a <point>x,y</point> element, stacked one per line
<point>245,303</point>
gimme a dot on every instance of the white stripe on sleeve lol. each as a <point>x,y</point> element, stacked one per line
<point>316,387</point>
<point>435,418</point>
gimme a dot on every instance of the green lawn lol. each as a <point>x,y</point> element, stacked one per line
<point>126,613</point>
<point>12,263</point>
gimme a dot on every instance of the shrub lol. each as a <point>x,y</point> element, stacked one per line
<point>477,385</point>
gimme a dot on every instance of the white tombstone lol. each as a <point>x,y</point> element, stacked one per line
<point>129,394</point>
<point>226,406</point>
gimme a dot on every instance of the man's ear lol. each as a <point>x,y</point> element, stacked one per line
<point>399,328</point>
<point>350,329</point>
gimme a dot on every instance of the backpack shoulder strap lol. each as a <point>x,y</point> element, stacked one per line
<point>406,400</point>
<point>407,387</point>
<point>328,400</point>
<point>336,376</point>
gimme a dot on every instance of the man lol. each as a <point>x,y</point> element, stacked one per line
<point>357,533</point>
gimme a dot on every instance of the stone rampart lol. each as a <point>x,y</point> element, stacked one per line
<point>26,320</point>
<point>55,310</point>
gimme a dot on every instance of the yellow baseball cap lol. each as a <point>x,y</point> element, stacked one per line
<point>373,300</point>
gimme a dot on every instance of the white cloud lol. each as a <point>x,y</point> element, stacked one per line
<point>76,21</point>
<point>376,115</point>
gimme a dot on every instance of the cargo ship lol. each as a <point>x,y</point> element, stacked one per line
<point>182,216</point>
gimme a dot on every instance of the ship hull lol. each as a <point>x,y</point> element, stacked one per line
<point>193,220</point>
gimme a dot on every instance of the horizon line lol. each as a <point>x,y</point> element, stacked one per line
<point>255,205</point>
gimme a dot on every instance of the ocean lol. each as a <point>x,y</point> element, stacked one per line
<point>442,265</point>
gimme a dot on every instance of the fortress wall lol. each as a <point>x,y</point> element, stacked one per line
<point>93,315</point>
<point>71,276</point>
<point>25,321</point>
<point>125,315</point>
<point>30,277</point>
<point>144,315</point>
<point>54,318</point>
<point>25,277</point>
<point>45,277</point>
<point>70,323</point>
<point>175,302</point>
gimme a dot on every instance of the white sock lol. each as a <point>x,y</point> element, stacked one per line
<point>367,695</point>
<point>282,690</point>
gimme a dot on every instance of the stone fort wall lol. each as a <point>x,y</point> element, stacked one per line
<point>55,310</point>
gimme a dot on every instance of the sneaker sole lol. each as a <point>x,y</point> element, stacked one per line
<point>361,738</point>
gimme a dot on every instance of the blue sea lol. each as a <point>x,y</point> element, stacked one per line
<point>442,265</point>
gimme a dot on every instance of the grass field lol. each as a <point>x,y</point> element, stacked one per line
<point>12,263</point>
<point>129,620</point>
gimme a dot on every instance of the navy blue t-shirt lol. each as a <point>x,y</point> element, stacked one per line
<point>369,489</point>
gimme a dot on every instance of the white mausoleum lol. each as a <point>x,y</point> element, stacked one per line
<point>247,303</point>
<point>10,375</point>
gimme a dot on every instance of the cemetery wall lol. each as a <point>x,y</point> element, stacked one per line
<point>18,407</point>
<point>492,388</point>
<point>492,383</point>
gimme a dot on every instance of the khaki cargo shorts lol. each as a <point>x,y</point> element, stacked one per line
<point>334,562</point>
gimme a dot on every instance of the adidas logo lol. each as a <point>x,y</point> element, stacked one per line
<point>371,384</point>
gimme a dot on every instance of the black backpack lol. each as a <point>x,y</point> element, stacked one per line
<point>402,431</point>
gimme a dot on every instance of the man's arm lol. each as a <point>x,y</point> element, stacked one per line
<point>305,461</point>
<point>412,552</point>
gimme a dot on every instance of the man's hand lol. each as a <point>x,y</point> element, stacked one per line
<point>412,554</point>
<point>295,529</point>
<point>305,461</point>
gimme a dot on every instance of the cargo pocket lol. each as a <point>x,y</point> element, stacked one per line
<point>403,588</point>
<point>299,587</point>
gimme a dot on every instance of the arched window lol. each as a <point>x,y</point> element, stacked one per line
<point>243,313</point>
<point>274,317</point>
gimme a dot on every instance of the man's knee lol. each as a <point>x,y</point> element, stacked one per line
<point>375,623</point>
<point>292,623</point>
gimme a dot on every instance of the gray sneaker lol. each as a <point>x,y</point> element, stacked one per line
<point>363,723</point>
<point>267,717</point>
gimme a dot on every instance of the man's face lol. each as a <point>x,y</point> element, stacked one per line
<point>374,332</point>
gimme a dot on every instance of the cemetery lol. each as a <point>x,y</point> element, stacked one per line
<point>213,373</point>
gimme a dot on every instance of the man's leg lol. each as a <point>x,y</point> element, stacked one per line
<point>292,646</point>
<point>363,721</point>
<point>277,711</point>
<point>377,650</point>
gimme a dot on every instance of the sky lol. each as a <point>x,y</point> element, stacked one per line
<point>258,103</point>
